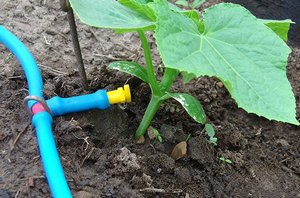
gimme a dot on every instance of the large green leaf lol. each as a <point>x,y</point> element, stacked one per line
<point>281,28</point>
<point>191,105</point>
<point>130,68</point>
<point>110,14</point>
<point>249,58</point>
<point>140,7</point>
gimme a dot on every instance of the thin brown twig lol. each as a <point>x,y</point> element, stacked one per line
<point>134,51</point>
<point>33,177</point>
<point>15,77</point>
<point>158,190</point>
<point>108,57</point>
<point>87,156</point>
<point>85,141</point>
<point>18,136</point>
<point>52,70</point>
<point>17,194</point>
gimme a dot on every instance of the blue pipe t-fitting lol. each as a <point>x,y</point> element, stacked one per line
<point>43,111</point>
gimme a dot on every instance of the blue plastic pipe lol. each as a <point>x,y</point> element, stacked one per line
<point>32,72</point>
<point>42,121</point>
<point>60,106</point>
<point>54,172</point>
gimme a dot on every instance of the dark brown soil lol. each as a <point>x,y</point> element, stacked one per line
<point>97,149</point>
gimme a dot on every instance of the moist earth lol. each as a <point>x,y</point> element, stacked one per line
<point>97,148</point>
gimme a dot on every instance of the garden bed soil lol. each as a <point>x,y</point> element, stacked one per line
<point>97,148</point>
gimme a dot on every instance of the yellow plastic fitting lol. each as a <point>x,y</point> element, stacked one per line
<point>120,95</point>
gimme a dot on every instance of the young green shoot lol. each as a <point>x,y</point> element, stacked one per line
<point>8,57</point>
<point>157,135</point>
<point>225,160</point>
<point>211,133</point>
<point>188,137</point>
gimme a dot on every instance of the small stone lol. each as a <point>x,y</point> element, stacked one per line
<point>206,100</point>
<point>179,151</point>
<point>172,109</point>
<point>220,84</point>
<point>140,140</point>
<point>66,30</point>
<point>150,133</point>
<point>282,142</point>
<point>31,182</point>
<point>84,194</point>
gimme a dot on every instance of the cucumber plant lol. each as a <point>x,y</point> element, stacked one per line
<point>248,55</point>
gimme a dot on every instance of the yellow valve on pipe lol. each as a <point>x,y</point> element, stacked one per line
<point>121,95</point>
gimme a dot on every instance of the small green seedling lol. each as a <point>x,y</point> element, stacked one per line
<point>211,134</point>
<point>223,159</point>
<point>157,135</point>
<point>188,137</point>
<point>192,5</point>
<point>246,54</point>
<point>8,57</point>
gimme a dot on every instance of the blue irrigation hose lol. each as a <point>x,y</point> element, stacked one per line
<point>61,106</point>
<point>55,174</point>
<point>42,121</point>
<point>32,72</point>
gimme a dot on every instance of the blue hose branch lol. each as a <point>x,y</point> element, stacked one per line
<point>43,111</point>
<point>101,99</point>
<point>61,106</point>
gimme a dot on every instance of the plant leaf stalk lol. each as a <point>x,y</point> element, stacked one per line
<point>150,70</point>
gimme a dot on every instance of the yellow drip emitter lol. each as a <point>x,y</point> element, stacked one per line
<point>121,95</point>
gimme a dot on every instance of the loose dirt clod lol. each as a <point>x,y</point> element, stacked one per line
<point>127,158</point>
<point>168,133</point>
<point>84,194</point>
<point>201,150</point>
<point>144,181</point>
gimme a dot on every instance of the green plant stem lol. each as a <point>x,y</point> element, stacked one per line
<point>158,90</point>
<point>152,108</point>
<point>150,70</point>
